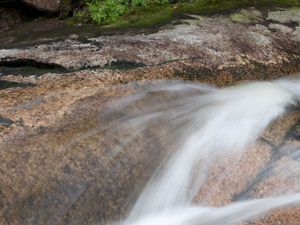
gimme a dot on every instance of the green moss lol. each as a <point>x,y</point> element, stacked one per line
<point>152,13</point>
<point>210,6</point>
<point>237,17</point>
<point>246,16</point>
<point>218,6</point>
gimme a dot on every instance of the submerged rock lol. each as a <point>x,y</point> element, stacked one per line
<point>5,121</point>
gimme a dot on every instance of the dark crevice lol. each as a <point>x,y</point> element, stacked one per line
<point>265,141</point>
<point>291,24</point>
<point>32,67</point>
<point>9,84</point>
<point>5,121</point>
<point>124,65</point>
<point>8,62</point>
<point>246,193</point>
<point>10,66</point>
<point>293,132</point>
<point>262,175</point>
<point>276,155</point>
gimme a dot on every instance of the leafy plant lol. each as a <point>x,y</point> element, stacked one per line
<point>107,11</point>
<point>143,3</point>
<point>162,2</point>
<point>80,16</point>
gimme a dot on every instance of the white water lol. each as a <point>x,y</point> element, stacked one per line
<point>208,124</point>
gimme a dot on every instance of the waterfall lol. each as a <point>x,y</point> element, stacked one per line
<point>202,124</point>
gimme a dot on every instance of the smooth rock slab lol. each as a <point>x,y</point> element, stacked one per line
<point>280,28</point>
<point>68,169</point>
<point>285,16</point>
<point>213,43</point>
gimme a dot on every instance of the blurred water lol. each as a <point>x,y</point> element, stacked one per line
<point>200,125</point>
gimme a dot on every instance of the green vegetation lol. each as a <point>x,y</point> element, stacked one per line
<point>118,12</point>
<point>146,12</point>
<point>237,17</point>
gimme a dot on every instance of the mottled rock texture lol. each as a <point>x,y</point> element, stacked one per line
<point>59,166</point>
<point>215,45</point>
<point>285,16</point>
<point>50,6</point>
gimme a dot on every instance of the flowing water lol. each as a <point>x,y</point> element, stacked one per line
<point>199,126</point>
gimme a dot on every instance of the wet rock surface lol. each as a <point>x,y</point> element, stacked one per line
<point>218,46</point>
<point>285,16</point>
<point>267,168</point>
<point>60,167</point>
<point>211,42</point>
